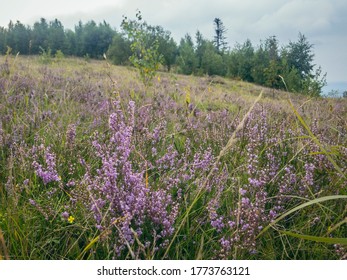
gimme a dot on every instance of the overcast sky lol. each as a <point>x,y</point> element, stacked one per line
<point>323,22</point>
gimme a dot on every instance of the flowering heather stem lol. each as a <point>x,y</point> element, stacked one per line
<point>49,173</point>
<point>233,137</point>
<point>230,143</point>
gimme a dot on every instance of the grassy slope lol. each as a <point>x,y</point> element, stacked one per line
<point>39,103</point>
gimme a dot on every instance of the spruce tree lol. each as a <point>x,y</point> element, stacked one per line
<point>219,38</point>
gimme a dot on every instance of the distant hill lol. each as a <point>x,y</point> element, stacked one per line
<point>340,87</point>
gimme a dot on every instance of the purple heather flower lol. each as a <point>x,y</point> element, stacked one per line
<point>119,193</point>
<point>231,224</point>
<point>226,245</point>
<point>242,192</point>
<point>49,173</point>
<point>65,215</point>
<point>71,183</point>
<point>32,202</point>
<point>309,168</point>
<point>71,135</point>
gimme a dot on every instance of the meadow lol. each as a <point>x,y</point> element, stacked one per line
<point>94,165</point>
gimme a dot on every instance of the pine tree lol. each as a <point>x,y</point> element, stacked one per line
<point>220,39</point>
<point>300,56</point>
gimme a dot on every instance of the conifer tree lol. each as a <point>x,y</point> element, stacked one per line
<point>219,38</point>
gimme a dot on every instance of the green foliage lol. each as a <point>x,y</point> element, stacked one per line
<point>94,39</point>
<point>299,55</point>
<point>18,37</point>
<point>212,62</point>
<point>39,36</point>
<point>200,47</point>
<point>119,51</point>
<point>59,55</point>
<point>293,81</point>
<point>88,38</point>
<point>145,53</point>
<point>56,36</point>
<point>271,48</point>
<point>312,85</point>
<point>186,60</point>
<point>272,75</point>
<point>241,61</point>
<point>86,58</point>
<point>2,40</point>
<point>207,58</point>
<point>46,56</point>
<point>167,47</point>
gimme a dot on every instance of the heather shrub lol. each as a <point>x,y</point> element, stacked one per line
<point>121,199</point>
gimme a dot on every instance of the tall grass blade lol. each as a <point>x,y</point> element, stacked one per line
<point>3,247</point>
<point>301,206</point>
<point>90,245</point>
<point>201,249</point>
<point>328,240</point>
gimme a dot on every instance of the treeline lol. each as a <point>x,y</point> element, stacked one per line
<point>87,39</point>
<point>288,67</point>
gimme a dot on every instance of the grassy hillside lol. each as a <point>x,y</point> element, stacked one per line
<point>95,166</point>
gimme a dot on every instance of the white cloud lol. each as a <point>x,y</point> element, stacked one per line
<point>305,16</point>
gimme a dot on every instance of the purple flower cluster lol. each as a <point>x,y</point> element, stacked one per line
<point>120,197</point>
<point>251,212</point>
<point>71,135</point>
<point>47,172</point>
<point>169,160</point>
<point>341,251</point>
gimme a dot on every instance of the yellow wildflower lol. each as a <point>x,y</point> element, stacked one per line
<point>71,219</point>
